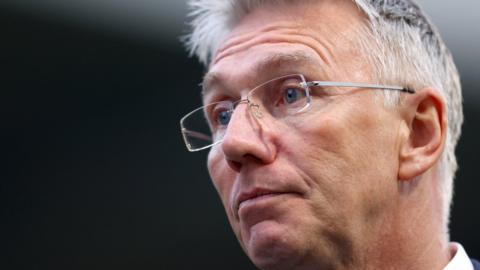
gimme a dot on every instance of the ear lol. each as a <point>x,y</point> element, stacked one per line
<point>425,118</point>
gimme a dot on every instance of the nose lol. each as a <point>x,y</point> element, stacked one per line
<point>248,138</point>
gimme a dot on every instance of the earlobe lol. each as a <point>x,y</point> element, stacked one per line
<point>425,117</point>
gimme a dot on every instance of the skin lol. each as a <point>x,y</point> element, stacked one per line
<point>350,184</point>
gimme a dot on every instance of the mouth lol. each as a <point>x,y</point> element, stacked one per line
<point>256,195</point>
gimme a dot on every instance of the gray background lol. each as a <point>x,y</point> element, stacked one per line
<point>95,174</point>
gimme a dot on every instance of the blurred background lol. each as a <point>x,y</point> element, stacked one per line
<point>95,174</point>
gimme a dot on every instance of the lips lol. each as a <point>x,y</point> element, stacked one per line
<point>253,195</point>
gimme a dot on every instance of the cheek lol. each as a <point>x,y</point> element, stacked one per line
<point>223,179</point>
<point>221,175</point>
<point>351,136</point>
<point>348,154</point>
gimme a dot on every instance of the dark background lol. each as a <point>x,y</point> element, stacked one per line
<point>94,172</point>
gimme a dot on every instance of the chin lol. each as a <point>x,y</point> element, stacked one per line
<point>271,245</point>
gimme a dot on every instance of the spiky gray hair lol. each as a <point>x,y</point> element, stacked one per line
<point>399,37</point>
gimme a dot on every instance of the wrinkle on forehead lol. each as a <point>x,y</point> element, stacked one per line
<point>237,39</point>
<point>312,19</point>
<point>277,33</point>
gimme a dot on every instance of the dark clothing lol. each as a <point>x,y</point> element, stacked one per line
<point>476,264</point>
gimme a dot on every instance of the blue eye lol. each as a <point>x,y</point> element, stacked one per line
<point>291,95</point>
<point>224,117</point>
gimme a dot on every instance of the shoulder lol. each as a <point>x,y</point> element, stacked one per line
<point>476,264</point>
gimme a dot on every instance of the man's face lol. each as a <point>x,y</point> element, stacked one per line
<point>316,189</point>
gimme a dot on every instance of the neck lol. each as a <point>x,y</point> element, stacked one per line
<point>412,236</point>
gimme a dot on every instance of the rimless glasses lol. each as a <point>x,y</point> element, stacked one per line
<point>279,98</point>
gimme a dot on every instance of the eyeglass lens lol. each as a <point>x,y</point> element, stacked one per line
<point>278,98</point>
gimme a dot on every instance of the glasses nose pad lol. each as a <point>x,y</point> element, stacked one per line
<point>255,109</point>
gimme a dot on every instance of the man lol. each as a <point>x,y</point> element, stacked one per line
<point>331,127</point>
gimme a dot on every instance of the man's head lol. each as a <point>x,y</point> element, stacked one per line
<point>359,178</point>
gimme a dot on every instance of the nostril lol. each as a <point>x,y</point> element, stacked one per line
<point>234,165</point>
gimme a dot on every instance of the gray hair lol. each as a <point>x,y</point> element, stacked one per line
<point>399,35</point>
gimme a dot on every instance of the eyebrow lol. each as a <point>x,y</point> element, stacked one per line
<point>278,60</point>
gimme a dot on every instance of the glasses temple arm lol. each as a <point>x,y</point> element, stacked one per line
<point>361,85</point>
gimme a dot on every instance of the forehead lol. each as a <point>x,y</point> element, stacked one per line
<point>274,40</point>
